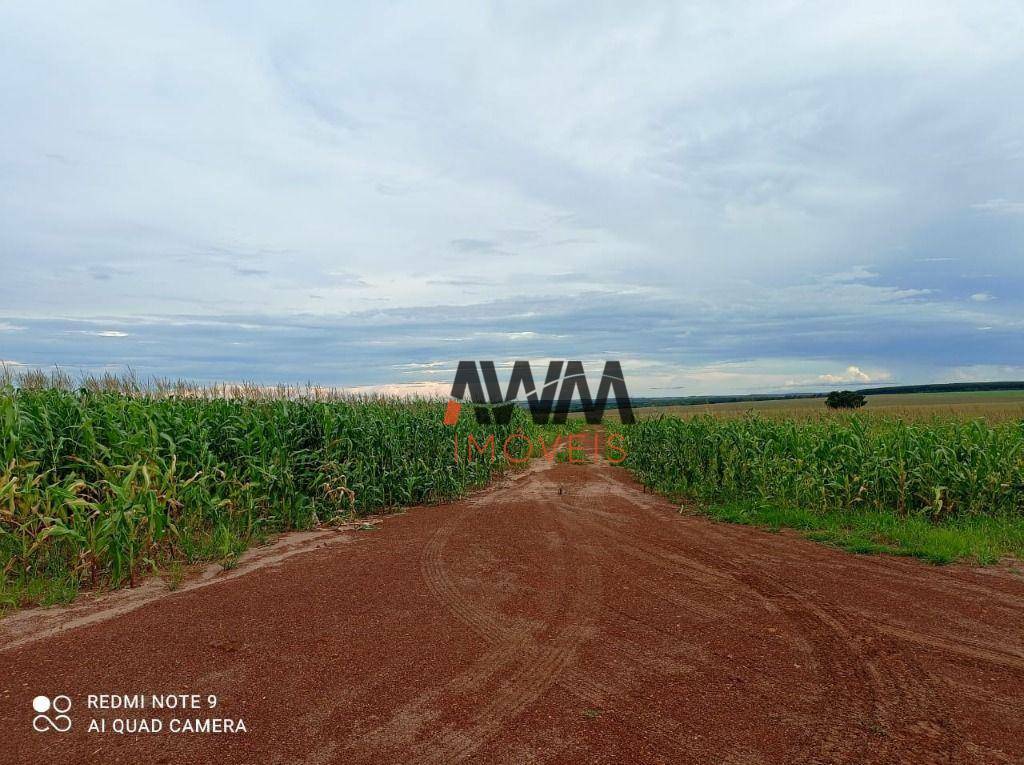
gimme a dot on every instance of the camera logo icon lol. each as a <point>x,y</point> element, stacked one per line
<point>51,714</point>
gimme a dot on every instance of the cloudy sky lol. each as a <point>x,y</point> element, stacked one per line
<point>728,197</point>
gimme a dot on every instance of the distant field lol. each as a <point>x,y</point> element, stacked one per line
<point>994,406</point>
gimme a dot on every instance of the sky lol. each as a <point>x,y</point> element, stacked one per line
<point>726,197</point>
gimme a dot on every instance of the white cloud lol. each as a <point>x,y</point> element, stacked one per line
<point>1001,206</point>
<point>102,332</point>
<point>855,274</point>
<point>678,173</point>
<point>984,373</point>
<point>426,365</point>
<point>982,297</point>
<point>855,374</point>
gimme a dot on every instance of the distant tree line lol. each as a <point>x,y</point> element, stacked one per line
<point>644,401</point>
<point>946,387</point>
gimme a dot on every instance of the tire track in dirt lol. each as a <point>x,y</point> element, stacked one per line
<point>967,649</point>
<point>834,658</point>
<point>889,568</point>
<point>713,571</point>
<point>491,627</point>
<point>531,665</point>
<point>896,685</point>
<point>516,696</point>
<point>899,684</point>
<point>940,580</point>
<point>560,616</point>
<point>839,654</point>
<point>666,732</point>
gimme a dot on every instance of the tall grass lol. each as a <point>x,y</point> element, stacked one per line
<point>105,482</point>
<point>943,467</point>
<point>942,471</point>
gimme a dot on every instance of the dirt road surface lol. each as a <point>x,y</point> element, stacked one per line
<point>560,616</point>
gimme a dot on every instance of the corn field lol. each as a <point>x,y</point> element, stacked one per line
<point>941,468</point>
<point>101,484</point>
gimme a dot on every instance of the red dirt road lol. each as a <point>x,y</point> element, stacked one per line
<point>561,616</point>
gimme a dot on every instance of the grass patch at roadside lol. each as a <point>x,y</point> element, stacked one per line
<point>982,539</point>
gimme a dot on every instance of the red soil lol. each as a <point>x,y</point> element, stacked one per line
<point>561,616</point>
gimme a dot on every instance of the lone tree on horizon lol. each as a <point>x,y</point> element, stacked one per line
<point>845,399</point>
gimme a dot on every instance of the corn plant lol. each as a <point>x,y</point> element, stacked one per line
<point>941,468</point>
<point>102,482</point>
